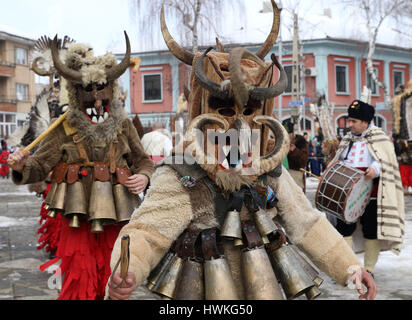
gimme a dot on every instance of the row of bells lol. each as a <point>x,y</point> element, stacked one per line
<point>262,270</point>
<point>264,276</point>
<point>108,203</point>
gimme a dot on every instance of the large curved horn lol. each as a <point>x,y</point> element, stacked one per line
<point>275,90</point>
<point>116,71</point>
<point>215,88</point>
<point>69,74</point>
<point>282,143</point>
<point>273,35</point>
<point>240,88</point>
<point>180,53</point>
<point>198,123</point>
<point>37,70</point>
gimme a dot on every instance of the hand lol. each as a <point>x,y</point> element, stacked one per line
<point>370,173</point>
<point>18,159</point>
<point>137,183</point>
<point>124,291</point>
<point>363,276</point>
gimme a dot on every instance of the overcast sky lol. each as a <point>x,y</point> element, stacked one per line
<point>101,23</point>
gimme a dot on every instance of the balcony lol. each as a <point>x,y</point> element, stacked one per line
<point>7,69</point>
<point>8,103</point>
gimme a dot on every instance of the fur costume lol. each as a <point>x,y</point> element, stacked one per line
<point>96,145</point>
<point>402,106</point>
<point>188,199</point>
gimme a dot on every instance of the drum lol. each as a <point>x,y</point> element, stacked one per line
<point>343,192</point>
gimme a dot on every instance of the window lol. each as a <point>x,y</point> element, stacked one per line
<point>7,124</point>
<point>341,79</point>
<point>288,70</point>
<point>380,122</point>
<point>22,92</point>
<point>152,88</point>
<point>370,83</point>
<point>20,56</point>
<point>397,79</point>
<point>341,128</point>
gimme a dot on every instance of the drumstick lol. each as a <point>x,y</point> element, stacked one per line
<point>313,175</point>
<point>44,134</point>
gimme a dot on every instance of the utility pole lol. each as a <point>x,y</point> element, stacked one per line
<point>280,7</point>
<point>296,75</point>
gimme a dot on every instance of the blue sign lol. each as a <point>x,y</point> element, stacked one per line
<point>295,103</point>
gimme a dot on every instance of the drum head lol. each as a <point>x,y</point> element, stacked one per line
<point>357,200</point>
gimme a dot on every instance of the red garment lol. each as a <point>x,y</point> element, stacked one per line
<point>85,260</point>
<point>156,159</point>
<point>50,228</point>
<point>4,169</point>
<point>406,175</point>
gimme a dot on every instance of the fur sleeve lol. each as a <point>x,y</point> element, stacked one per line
<point>164,214</point>
<point>141,162</point>
<point>311,231</point>
<point>42,162</point>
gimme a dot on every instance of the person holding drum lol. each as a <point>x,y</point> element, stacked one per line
<point>368,148</point>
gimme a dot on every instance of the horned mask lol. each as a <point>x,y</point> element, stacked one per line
<point>234,93</point>
<point>92,88</point>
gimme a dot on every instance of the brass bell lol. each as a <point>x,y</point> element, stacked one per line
<point>159,270</point>
<point>232,226</point>
<point>50,194</point>
<point>258,276</point>
<point>190,285</point>
<point>265,240</point>
<point>75,203</point>
<point>46,206</point>
<point>101,205</point>
<point>74,221</point>
<point>167,284</point>
<point>97,226</point>
<point>52,214</point>
<point>313,293</point>
<point>293,278</point>
<point>264,223</point>
<point>57,203</point>
<point>219,284</point>
<point>307,266</point>
<point>125,202</point>
<point>238,243</point>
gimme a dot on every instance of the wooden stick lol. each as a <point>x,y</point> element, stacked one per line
<point>36,141</point>
<point>124,257</point>
<point>313,175</point>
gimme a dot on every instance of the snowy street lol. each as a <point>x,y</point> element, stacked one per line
<point>20,277</point>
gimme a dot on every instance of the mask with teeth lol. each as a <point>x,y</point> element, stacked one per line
<point>92,86</point>
<point>231,103</point>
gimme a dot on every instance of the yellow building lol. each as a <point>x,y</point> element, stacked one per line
<point>17,85</point>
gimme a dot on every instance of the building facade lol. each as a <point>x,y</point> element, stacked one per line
<point>17,85</point>
<point>333,67</point>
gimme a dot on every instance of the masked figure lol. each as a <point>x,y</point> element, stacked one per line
<point>205,229</point>
<point>403,134</point>
<point>98,168</point>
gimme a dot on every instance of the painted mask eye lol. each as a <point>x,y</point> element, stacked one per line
<point>248,112</point>
<point>88,88</point>
<point>227,112</point>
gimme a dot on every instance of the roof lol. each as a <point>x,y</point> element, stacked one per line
<point>285,43</point>
<point>16,38</point>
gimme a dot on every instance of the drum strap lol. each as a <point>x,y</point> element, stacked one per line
<point>357,137</point>
<point>349,147</point>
